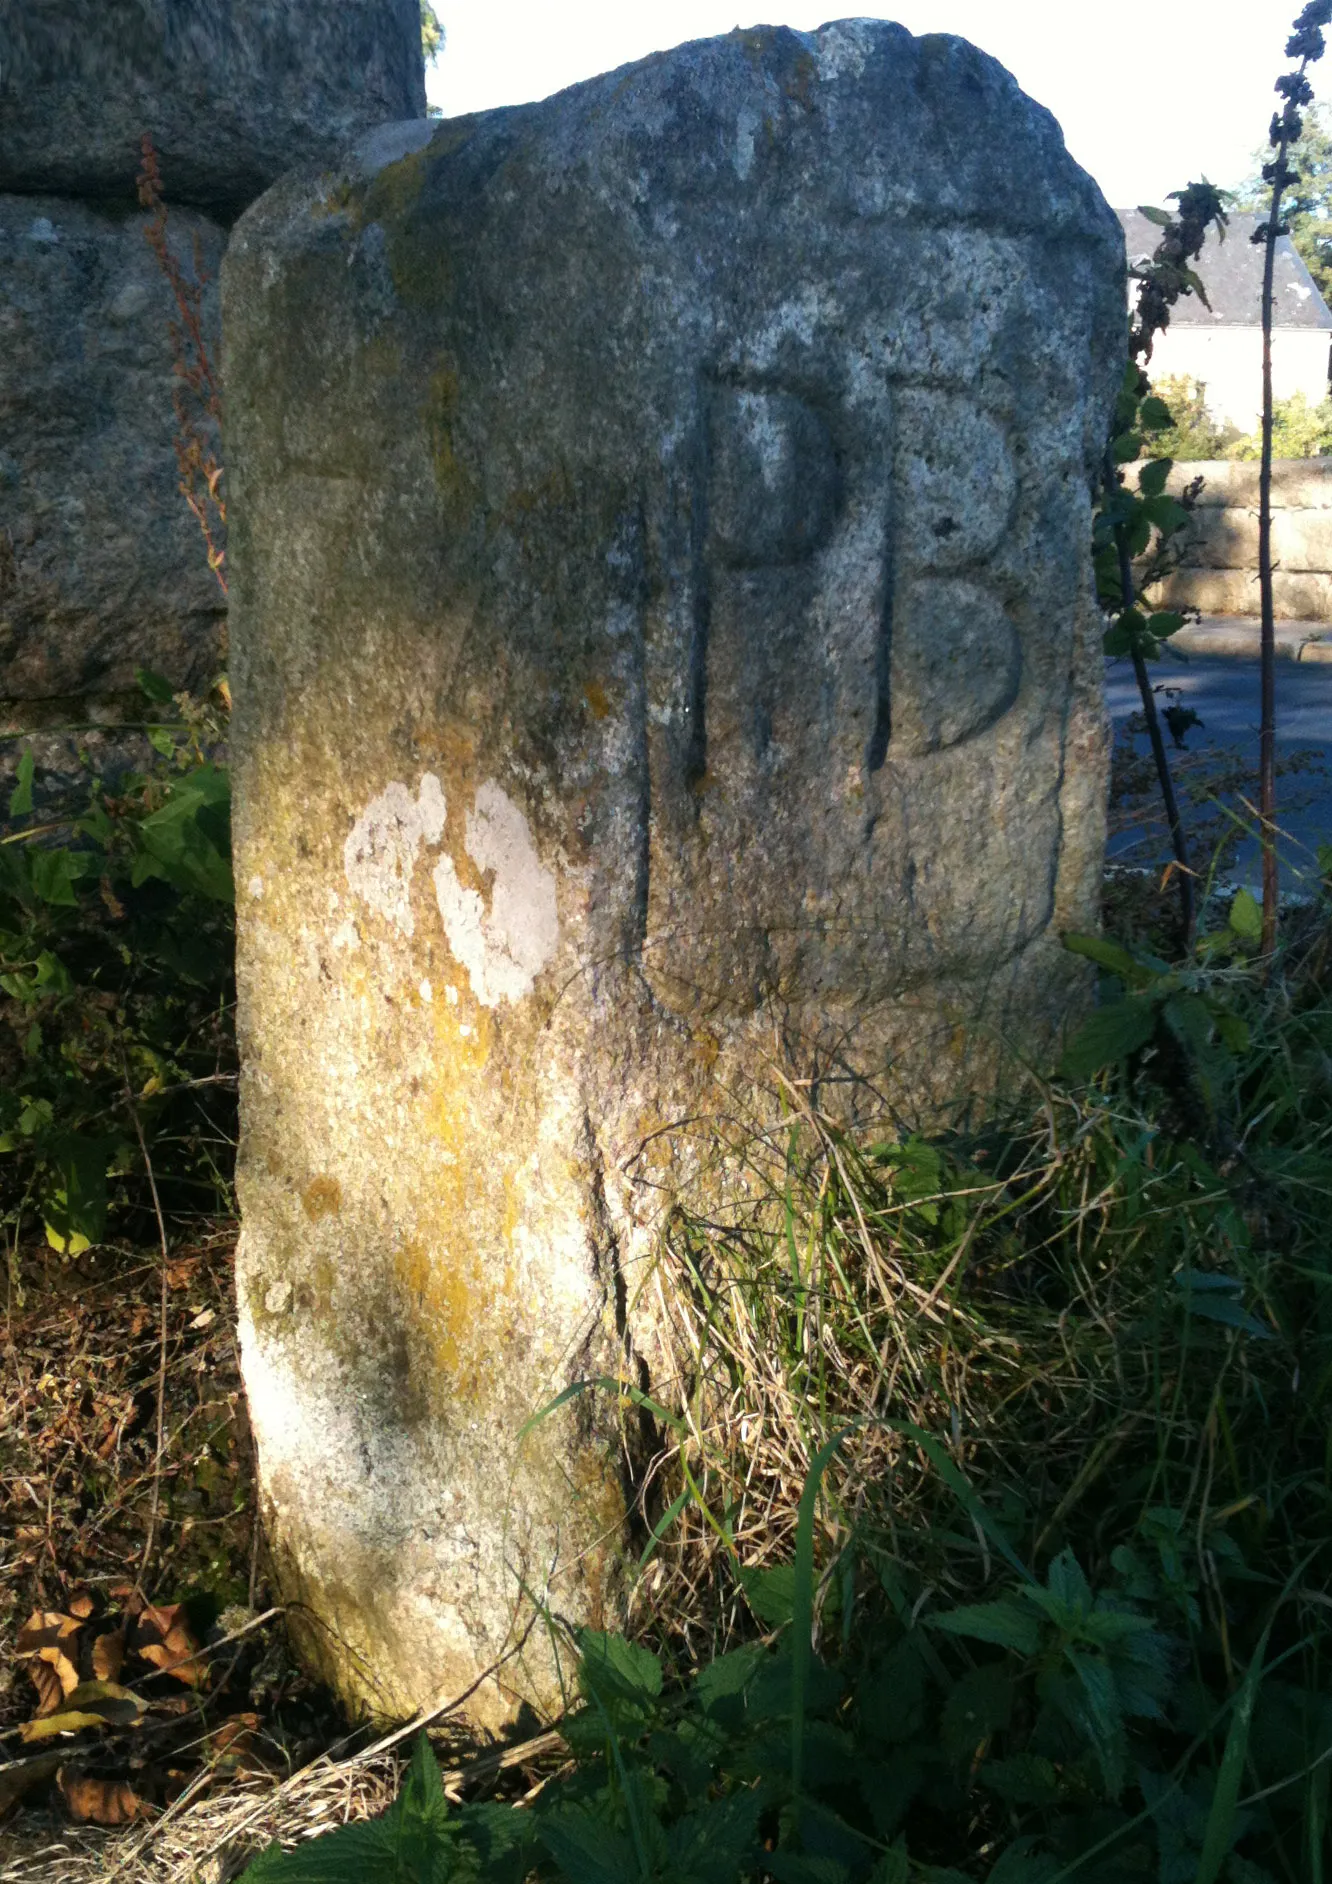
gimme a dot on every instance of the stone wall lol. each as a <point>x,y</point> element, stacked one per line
<point>1219,572</point>
<point>102,567</point>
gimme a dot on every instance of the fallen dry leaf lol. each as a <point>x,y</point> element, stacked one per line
<point>162,1637</point>
<point>47,1683</point>
<point>181,1272</point>
<point>81,1605</point>
<point>43,1627</point>
<point>100,1801</point>
<point>19,1776</point>
<point>108,1652</point>
<point>48,1642</point>
<point>68,1721</point>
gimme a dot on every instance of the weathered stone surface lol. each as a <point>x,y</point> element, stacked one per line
<point>663,656</point>
<point>102,566</point>
<point>232,95</point>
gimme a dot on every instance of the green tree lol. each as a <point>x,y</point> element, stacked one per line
<point>1299,430</point>
<point>432,33</point>
<point>1194,433</point>
<point>1308,209</point>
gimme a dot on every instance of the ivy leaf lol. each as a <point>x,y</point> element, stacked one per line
<point>153,686</point>
<point>20,799</point>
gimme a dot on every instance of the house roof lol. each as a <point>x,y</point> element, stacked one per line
<point>1232,273</point>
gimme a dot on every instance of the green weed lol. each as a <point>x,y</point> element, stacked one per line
<point>116,987</point>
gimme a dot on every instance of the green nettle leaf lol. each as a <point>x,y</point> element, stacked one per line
<point>1160,217</point>
<point>1107,954</point>
<point>976,1708</point>
<point>797,1867</point>
<point>725,1680</point>
<point>20,799</point>
<point>771,1593</point>
<point>1163,624</point>
<point>1125,448</point>
<point>1066,1584</point>
<point>1006,1623</point>
<point>1152,476</point>
<point>1022,1863</point>
<point>1155,415</point>
<point>718,1843</point>
<point>894,1867</point>
<point>1167,513</point>
<point>1110,1035</point>
<point>588,1849</point>
<point>614,1669</point>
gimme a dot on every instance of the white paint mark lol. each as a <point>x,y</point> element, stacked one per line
<point>465,1030</point>
<point>255,886</point>
<point>426,993</point>
<point>346,936</point>
<point>451,995</point>
<point>505,948</point>
<point>277,1298</point>
<point>381,851</point>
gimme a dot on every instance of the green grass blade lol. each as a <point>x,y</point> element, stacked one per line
<point>802,1609</point>
<point>1220,1833</point>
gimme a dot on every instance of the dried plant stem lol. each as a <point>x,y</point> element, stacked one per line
<point>1178,841</point>
<point>156,1501</point>
<point>1267,651</point>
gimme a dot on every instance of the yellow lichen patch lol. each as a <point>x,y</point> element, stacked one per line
<point>393,191</point>
<point>322,1197</point>
<point>438,1298</point>
<point>597,699</point>
<point>441,416</point>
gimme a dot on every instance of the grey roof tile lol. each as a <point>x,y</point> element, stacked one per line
<point>1232,272</point>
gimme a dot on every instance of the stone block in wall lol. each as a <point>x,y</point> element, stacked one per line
<point>1296,596</point>
<point>232,94</point>
<point>664,662</point>
<point>102,567</point>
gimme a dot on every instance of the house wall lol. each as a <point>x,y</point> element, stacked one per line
<point>1229,362</point>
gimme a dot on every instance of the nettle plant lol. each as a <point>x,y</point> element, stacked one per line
<point>1135,524</point>
<point>116,985</point>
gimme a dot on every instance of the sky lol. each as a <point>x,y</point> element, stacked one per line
<point>1188,96</point>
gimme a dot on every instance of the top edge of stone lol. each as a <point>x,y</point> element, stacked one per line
<point>942,129</point>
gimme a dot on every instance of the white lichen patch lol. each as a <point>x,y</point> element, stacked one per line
<point>381,851</point>
<point>505,947</point>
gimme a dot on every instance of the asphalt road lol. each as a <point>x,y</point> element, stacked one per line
<point>1225,694</point>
